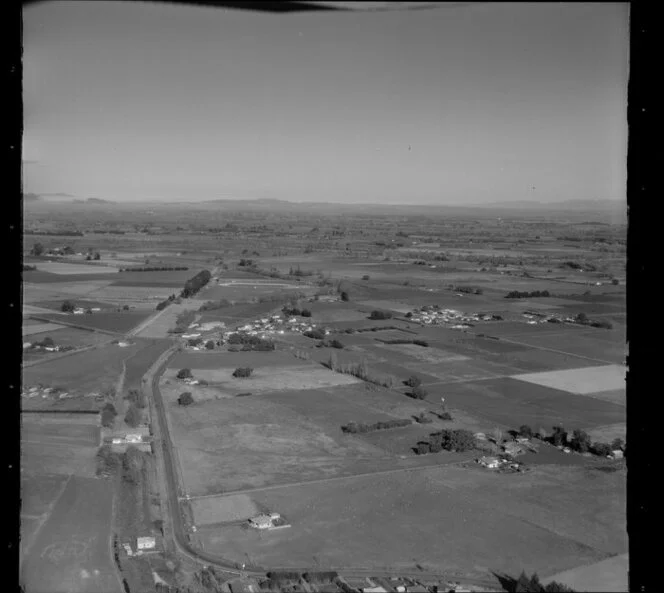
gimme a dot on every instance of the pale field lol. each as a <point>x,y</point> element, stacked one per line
<point>29,330</point>
<point>66,268</point>
<point>610,575</point>
<point>223,509</point>
<point>389,305</point>
<point>160,324</point>
<point>275,378</point>
<point>580,381</point>
<point>608,433</point>
<point>423,353</point>
<point>56,290</point>
<point>32,310</point>
<point>141,297</point>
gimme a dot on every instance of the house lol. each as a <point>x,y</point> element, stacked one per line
<point>617,454</point>
<point>145,543</point>
<point>261,522</point>
<point>376,589</point>
<point>133,438</point>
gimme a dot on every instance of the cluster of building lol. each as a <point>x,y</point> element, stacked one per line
<point>500,462</point>
<point>36,346</point>
<point>82,310</point>
<point>138,437</point>
<point>434,315</point>
<point>45,392</point>
<point>142,545</point>
<point>268,521</point>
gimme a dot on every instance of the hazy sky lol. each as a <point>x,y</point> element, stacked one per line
<point>457,104</point>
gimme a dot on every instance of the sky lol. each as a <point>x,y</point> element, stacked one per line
<point>459,104</point>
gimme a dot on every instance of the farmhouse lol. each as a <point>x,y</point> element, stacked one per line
<point>145,543</point>
<point>264,521</point>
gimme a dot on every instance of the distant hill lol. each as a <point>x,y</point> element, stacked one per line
<point>589,205</point>
<point>28,197</point>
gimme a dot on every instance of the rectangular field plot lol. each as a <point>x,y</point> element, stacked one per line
<point>223,509</point>
<point>38,328</point>
<point>72,550</point>
<point>251,442</point>
<point>53,431</point>
<point>423,353</point>
<point>58,458</point>
<point>509,402</point>
<point>71,336</point>
<point>83,372</point>
<point>387,305</point>
<point>387,520</point>
<point>230,360</point>
<point>57,267</point>
<point>118,322</point>
<point>581,381</point>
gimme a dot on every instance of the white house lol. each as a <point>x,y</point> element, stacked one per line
<point>145,543</point>
<point>261,522</point>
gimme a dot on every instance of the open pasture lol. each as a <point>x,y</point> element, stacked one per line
<point>274,378</point>
<point>423,353</point>
<point>223,509</point>
<point>137,365</point>
<point>59,291</point>
<point>580,381</point>
<point>249,442</point>
<point>608,433</point>
<point>49,430</point>
<point>75,269</point>
<point>221,359</point>
<point>69,336</point>
<point>386,305</point>
<point>83,372</point>
<point>582,344</point>
<point>51,456</point>
<point>396,520</point>
<point>118,322</point>
<point>333,312</point>
<point>39,492</point>
<point>72,550</point>
<point>39,328</point>
<point>609,575</point>
<point>509,402</point>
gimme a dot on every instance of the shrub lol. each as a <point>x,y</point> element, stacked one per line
<point>209,344</point>
<point>421,343</point>
<point>617,444</point>
<point>409,314</point>
<point>380,315</point>
<point>133,416</point>
<point>361,427</point>
<point>422,418</point>
<point>132,465</point>
<point>306,313</point>
<point>601,449</point>
<point>185,398</point>
<point>526,431</point>
<point>413,381</point>
<point>365,277</point>
<point>184,374</point>
<point>242,372</point>
<point>344,296</point>
<point>580,441</point>
<point>418,392</point>
<point>107,461</point>
<point>422,448</point>
<point>445,416</point>
<point>316,334</point>
<point>67,307</point>
<point>243,394</point>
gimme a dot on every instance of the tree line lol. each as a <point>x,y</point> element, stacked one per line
<point>155,269</point>
<point>447,439</point>
<point>195,283</point>
<point>516,294</point>
<point>361,427</point>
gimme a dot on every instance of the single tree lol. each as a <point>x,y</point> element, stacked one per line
<point>242,372</point>
<point>185,398</point>
<point>617,444</point>
<point>67,307</point>
<point>419,392</point>
<point>184,374</point>
<point>526,431</point>
<point>133,416</point>
<point>413,381</point>
<point>580,441</point>
<point>209,344</point>
<point>344,296</point>
<point>37,249</point>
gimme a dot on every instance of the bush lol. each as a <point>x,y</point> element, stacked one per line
<point>242,372</point>
<point>421,343</point>
<point>617,444</point>
<point>365,277</point>
<point>418,392</point>
<point>306,313</point>
<point>67,307</point>
<point>526,431</point>
<point>445,416</point>
<point>209,344</point>
<point>601,449</point>
<point>380,315</point>
<point>422,448</point>
<point>361,427</point>
<point>194,284</point>
<point>452,440</point>
<point>184,374</point>
<point>132,465</point>
<point>413,381</point>
<point>344,296</point>
<point>134,416</point>
<point>422,418</point>
<point>316,334</point>
<point>107,461</point>
<point>185,398</point>
<point>580,441</point>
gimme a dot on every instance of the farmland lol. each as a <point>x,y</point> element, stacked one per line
<point>272,441</point>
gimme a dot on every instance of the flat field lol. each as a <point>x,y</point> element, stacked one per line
<point>72,552</point>
<point>39,328</point>
<point>83,372</point>
<point>510,402</point>
<point>396,520</point>
<point>66,268</point>
<point>580,381</point>
<point>610,575</point>
<point>223,509</point>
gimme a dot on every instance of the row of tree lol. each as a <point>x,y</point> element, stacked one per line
<point>447,439</point>
<point>250,342</point>
<point>578,440</point>
<point>361,427</point>
<point>380,315</point>
<point>518,294</point>
<point>155,269</point>
<point>194,284</point>
<point>295,311</point>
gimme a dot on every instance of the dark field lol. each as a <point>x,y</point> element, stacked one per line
<point>510,402</point>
